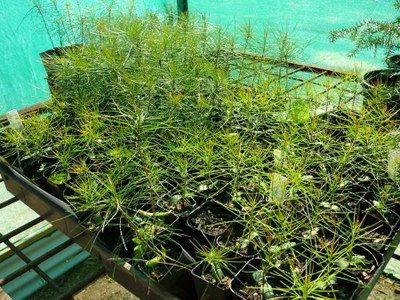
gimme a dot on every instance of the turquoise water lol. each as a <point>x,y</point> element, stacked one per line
<point>22,36</point>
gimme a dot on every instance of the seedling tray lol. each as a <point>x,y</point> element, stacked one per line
<point>61,215</point>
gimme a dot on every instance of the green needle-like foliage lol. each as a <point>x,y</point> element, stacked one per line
<point>167,110</point>
<point>372,34</point>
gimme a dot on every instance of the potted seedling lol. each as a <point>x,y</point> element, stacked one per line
<point>386,194</point>
<point>56,181</point>
<point>240,240</point>
<point>28,144</point>
<point>180,205</point>
<point>362,261</point>
<point>62,155</point>
<point>245,236</point>
<point>197,123</point>
<point>165,262</point>
<point>50,59</point>
<point>213,273</point>
<point>183,184</point>
<point>256,280</point>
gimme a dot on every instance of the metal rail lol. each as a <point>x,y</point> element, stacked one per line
<point>36,262</point>
<point>27,260</point>
<point>8,202</point>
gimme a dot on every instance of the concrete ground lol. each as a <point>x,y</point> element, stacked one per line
<point>102,288</point>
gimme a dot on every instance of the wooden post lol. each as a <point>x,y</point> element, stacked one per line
<point>183,6</point>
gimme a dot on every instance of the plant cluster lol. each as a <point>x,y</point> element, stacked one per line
<point>153,114</point>
<point>373,34</point>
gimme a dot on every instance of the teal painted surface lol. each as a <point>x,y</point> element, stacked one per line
<point>54,267</point>
<point>23,37</point>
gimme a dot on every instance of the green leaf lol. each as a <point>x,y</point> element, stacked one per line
<point>342,263</point>
<point>258,276</point>
<point>267,290</point>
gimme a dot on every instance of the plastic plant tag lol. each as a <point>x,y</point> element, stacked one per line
<point>278,158</point>
<point>393,164</point>
<point>278,186</point>
<point>15,120</point>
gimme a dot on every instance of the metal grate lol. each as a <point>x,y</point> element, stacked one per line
<point>33,264</point>
<point>300,80</point>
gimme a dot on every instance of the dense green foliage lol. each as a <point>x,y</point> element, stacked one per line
<point>373,34</point>
<point>166,110</point>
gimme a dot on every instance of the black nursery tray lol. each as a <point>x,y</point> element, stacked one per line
<point>59,214</point>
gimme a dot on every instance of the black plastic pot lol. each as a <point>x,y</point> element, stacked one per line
<point>56,189</point>
<point>383,82</point>
<point>206,290</point>
<point>34,171</point>
<point>344,288</point>
<point>388,207</point>
<point>327,283</point>
<point>394,217</point>
<point>379,231</point>
<point>50,55</point>
<point>174,278</point>
<point>365,271</point>
<point>209,221</point>
<point>393,61</point>
<point>118,238</point>
<point>376,78</point>
<point>277,279</point>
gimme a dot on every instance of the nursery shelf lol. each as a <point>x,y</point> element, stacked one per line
<point>299,80</point>
<point>35,253</point>
<point>59,215</point>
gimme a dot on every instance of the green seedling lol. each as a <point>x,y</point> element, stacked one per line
<point>265,288</point>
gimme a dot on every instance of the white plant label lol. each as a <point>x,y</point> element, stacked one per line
<point>278,187</point>
<point>278,158</point>
<point>393,164</point>
<point>15,120</point>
